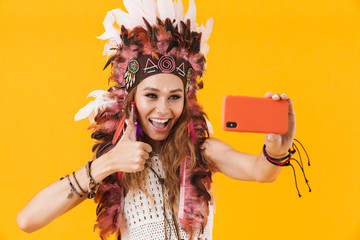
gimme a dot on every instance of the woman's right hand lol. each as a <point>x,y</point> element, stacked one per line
<point>128,155</point>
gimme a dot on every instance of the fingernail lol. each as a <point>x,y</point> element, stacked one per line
<point>270,138</point>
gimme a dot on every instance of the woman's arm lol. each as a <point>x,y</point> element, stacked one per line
<point>247,167</point>
<point>239,165</point>
<point>49,203</point>
<point>52,201</point>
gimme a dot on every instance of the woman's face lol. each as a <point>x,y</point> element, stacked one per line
<point>159,100</point>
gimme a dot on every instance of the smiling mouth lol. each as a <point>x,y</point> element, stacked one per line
<point>159,123</point>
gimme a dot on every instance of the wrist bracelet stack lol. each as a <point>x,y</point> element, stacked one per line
<point>78,184</point>
<point>72,188</point>
<point>285,161</point>
<point>92,187</point>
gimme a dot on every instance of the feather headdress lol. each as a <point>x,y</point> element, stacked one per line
<point>155,29</point>
<point>151,11</point>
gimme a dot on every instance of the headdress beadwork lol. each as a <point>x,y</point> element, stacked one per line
<point>146,65</point>
<point>129,76</point>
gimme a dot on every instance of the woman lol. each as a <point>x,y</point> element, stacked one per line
<point>154,159</point>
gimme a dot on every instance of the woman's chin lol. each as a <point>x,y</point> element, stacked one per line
<point>157,136</point>
<point>158,139</point>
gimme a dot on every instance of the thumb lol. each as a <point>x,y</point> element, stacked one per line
<point>273,143</point>
<point>130,128</point>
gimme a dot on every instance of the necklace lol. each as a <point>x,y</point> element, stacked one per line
<point>166,220</point>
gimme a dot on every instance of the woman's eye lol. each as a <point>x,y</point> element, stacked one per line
<point>174,97</point>
<point>151,95</point>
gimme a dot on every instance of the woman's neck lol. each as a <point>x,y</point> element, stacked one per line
<point>155,145</point>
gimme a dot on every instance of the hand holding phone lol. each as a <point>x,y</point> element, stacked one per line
<point>254,114</point>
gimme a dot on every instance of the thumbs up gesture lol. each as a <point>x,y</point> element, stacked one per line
<point>128,155</point>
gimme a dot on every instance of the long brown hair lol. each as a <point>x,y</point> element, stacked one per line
<point>172,152</point>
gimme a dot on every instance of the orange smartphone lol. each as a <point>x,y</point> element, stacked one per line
<point>254,114</point>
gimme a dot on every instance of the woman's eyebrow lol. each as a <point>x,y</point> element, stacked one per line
<point>157,90</point>
<point>151,89</point>
<point>176,90</point>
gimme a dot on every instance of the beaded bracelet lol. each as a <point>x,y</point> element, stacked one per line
<point>73,189</point>
<point>93,186</point>
<point>285,161</point>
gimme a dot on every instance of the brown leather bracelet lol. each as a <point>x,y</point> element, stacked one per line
<point>77,183</point>
<point>93,186</point>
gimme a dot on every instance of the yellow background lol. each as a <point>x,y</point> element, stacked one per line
<point>50,60</point>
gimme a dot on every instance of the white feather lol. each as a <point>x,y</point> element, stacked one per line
<point>204,49</point>
<point>110,48</point>
<point>112,23</point>
<point>209,126</point>
<point>99,94</point>
<point>135,12</point>
<point>109,26</point>
<point>122,18</point>
<point>149,8</point>
<point>191,14</point>
<point>179,12</point>
<point>166,9</point>
<point>91,109</point>
<point>206,32</point>
<point>111,33</point>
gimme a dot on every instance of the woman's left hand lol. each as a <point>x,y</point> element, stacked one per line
<point>277,145</point>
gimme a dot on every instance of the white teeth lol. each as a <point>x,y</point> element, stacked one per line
<point>159,120</point>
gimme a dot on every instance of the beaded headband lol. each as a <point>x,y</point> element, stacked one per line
<point>146,65</point>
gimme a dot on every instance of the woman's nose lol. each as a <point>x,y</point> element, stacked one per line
<point>162,107</point>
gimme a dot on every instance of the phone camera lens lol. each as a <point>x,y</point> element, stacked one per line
<point>231,124</point>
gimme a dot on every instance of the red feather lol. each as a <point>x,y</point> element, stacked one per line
<point>119,129</point>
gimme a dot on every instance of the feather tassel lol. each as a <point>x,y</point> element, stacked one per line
<point>139,131</point>
<point>192,131</point>
<point>182,189</point>
<point>109,219</point>
<point>119,129</point>
<point>193,209</point>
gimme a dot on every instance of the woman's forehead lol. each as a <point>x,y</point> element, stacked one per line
<point>162,82</point>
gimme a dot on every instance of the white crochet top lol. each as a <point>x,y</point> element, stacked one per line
<point>145,221</point>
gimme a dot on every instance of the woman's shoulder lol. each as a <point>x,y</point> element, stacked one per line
<point>214,146</point>
<point>213,151</point>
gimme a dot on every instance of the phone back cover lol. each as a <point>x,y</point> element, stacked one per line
<point>255,114</point>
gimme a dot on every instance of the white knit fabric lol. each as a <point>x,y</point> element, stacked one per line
<point>145,220</point>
